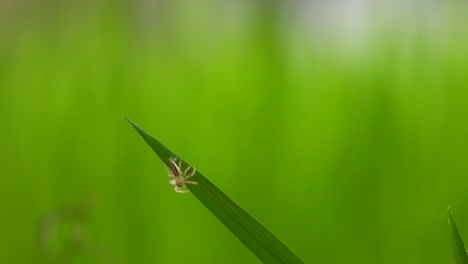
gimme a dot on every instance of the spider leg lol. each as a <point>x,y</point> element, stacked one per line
<point>187,169</point>
<point>180,190</point>
<point>191,174</point>
<point>173,182</point>
<point>191,182</point>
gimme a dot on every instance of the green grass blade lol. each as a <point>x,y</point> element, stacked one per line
<point>266,246</point>
<point>459,249</point>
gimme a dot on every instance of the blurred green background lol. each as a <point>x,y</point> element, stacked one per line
<point>342,126</point>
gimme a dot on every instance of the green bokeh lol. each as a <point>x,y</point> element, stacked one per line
<point>347,158</point>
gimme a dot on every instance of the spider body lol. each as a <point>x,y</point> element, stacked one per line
<point>178,177</point>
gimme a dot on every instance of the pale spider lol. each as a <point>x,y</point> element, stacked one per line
<point>179,177</point>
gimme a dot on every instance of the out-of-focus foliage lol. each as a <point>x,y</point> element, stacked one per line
<point>348,148</point>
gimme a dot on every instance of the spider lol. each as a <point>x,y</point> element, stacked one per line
<point>179,177</point>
